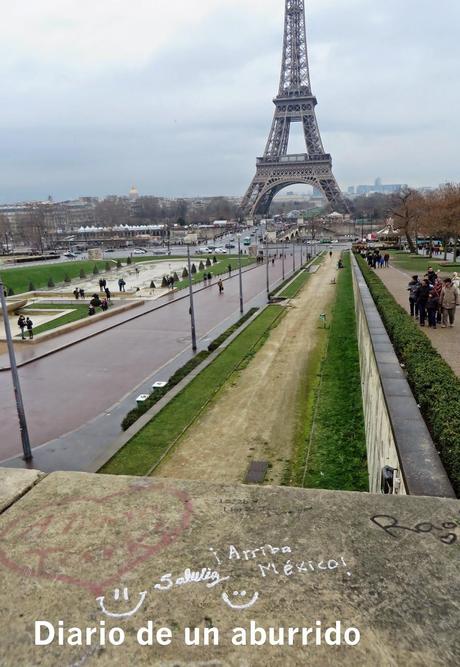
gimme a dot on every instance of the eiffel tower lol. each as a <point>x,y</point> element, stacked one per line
<point>294,103</point>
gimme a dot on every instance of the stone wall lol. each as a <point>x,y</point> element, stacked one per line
<point>396,434</point>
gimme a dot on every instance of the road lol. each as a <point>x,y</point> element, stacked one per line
<point>71,387</point>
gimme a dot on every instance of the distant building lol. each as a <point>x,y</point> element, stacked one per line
<point>379,188</point>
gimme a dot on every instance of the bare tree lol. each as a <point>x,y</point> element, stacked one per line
<point>407,207</point>
<point>6,235</point>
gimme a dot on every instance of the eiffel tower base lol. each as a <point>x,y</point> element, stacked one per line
<point>273,176</point>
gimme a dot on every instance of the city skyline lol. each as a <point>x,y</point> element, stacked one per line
<point>161,97</point>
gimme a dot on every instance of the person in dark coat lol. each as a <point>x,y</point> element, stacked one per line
<point>422,299</point>
<point>413,288</point>
<point>30,325</point>
<point>432,306</point>
<point>22,325</point>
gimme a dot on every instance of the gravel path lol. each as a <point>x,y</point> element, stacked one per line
<point>254,416</point>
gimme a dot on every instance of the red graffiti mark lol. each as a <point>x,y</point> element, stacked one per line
<point>65,542</point>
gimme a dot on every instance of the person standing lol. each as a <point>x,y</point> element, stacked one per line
<point>456,280</point>
<point>413,288</point>
<point>221,286</point>
<point>449,302</point>
<point>422,298</point>
<point>432,306</point>
<point>229,269</point>
<point>107,293</point>
<point>431,275</point>
<point>81,291</point>
<point>76,293</point>
<point>30,325</point>
<point>22,325</point>
<point>386,259</point>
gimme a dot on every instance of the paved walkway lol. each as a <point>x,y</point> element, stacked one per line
<point>446,341</point>
<point>74,396</point>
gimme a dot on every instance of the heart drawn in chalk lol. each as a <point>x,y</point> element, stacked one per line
<point>90,541</point>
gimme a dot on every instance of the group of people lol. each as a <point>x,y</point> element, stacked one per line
<point>97,302</point>
<point>26,323</point>
<point>376,260</point>
<point>434,299</point>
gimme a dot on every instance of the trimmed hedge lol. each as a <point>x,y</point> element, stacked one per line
<point>134,414</point>
<point>433,382</point>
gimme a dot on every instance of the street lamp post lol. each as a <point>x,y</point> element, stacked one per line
<point>284,247</point>
<point>293,257</point>
<point>240,274</point>
<point>268,277</point>
<point>192,312</point>
<point>14,373</point>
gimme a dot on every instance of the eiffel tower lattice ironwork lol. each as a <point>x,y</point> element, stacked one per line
<point>294,103</point>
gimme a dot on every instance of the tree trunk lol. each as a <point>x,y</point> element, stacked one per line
<point>410,243</point>
<point>430,254</point>
<point>455,249</point>
<point>446,241</point>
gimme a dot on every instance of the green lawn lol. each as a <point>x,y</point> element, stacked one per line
<point>142,452</point>
<point>294,288</point>
<point>337,449</point>
<point>19,279</point>
<point>79,312</point>
<point>420,263</point>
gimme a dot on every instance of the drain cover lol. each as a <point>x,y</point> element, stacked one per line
<point>256,472</point>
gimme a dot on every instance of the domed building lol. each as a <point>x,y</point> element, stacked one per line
<point>133,193</point>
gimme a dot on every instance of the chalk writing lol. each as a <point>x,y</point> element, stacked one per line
<point>48,544</point>
<point>211,577</point>
<point>242,594</point>
<point>265,550</point>
<point>291,568</point>
<point>116,596</point>
<point>443,533</point>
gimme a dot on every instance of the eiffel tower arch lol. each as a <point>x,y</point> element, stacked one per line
<point>294,103</point>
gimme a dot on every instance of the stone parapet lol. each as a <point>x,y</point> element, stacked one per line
<point>351,579</point>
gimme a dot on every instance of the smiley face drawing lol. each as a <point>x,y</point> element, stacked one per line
<point>116,596</point>
<point>242,595</point>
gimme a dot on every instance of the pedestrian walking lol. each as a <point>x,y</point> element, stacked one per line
<point>205,278</point>
<point>449,302</point>
<point>22,325</point>
<point>432,307</point>
<point>386,259</point>
<point>437,287</point>
<point>229,269</point>
<point>30,327</point>
<point>76,293</point>
<point>221,286</point>
<point>273,260</point>
<point>422,298</point>
<point>330,254</point>
<point>104,284</point>
<point>413,288</point>
<point>81,292</point>
<point>101,286</point>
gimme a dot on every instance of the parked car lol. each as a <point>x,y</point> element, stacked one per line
<point>70,255</point>
<point>221,251</point>
<point>229,245</point>
<point>139,251</point>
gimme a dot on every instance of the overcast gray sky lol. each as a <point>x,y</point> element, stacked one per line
<point>175,96</point>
